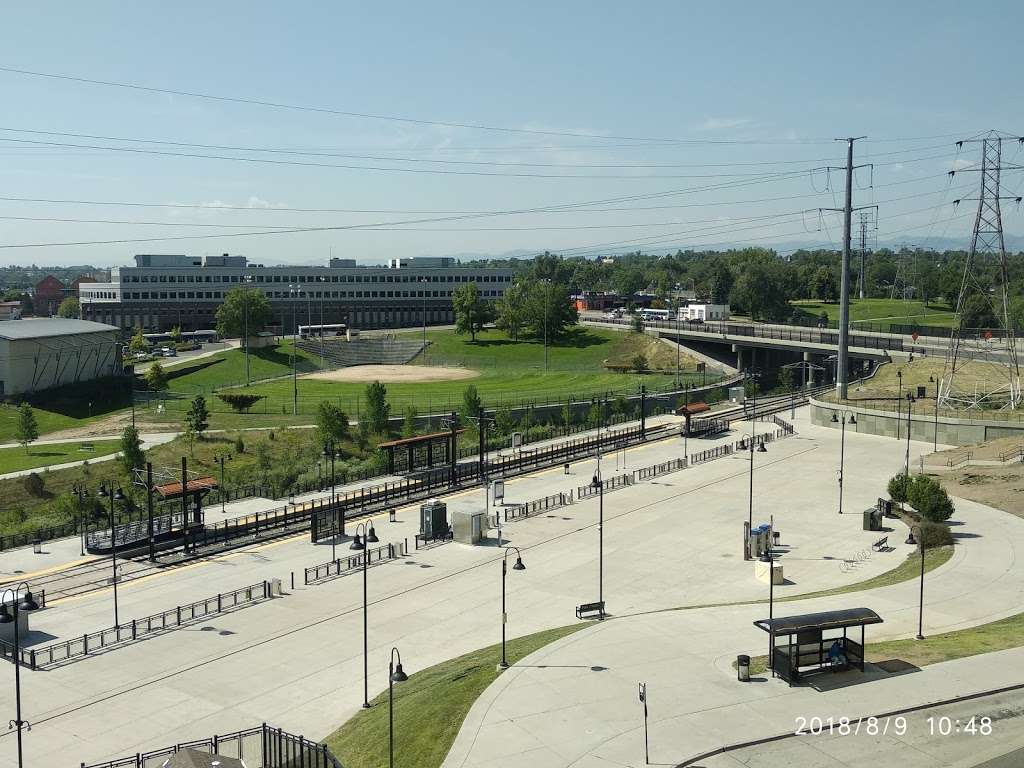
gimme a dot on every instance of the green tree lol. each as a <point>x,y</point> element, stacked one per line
<point>377,408</point>
<point>978,312</point>
<point>511,311</point>
<point>409,416</point>
<point>898,487</point>
<point>197,420</point>
<point>156,377</point>
<point>549,309</point>
<point>824,285</point>
<point>132,455</point>
<point>69,308</point>
<point>27,429</point>
<point>760,291</point>
<point>331,423</point>
<point>721,283</point>
<point>639,362</point>
<point>243,307</point>
<point>138,342</point>
<point>636,323</point>
<point>175,334</point>
<point>34,485</point>
<point>504,422</point>
<point>471,402</point>
<point>472,311</point>
<point>930,499</point>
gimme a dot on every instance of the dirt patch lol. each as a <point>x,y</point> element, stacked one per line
<point>110,426</point>
<point>390,374</point>
<point>999,487</point>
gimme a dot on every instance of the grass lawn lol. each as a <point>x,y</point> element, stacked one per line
<point>227,368</point>
<point>49,421</point>
<point>884,312</point>
<point>510,372</point>
<point>429,707</point>
<point>14,459</point>
<point>985,638</point>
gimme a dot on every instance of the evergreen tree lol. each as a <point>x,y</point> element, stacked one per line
<point>132,455</point>
<point>27,428</point>
<point>378,410</point>
<point>197,420</point>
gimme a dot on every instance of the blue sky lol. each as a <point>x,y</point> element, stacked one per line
<point>781,79</point>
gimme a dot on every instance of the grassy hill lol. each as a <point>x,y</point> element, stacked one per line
<point>883,312</point>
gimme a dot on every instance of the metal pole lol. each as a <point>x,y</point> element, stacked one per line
<point>149,510</point>
<point>366,635</point>
<point>677,348</point>
<point>643,698</point>
<point>17,675</point>
<point>907,466</point>
<point>322,321</point>
<point>504,615</point>
<point>842,466</point>
<point>600,550</point>
<point>295,341</point>
<point>935,437</point>
<point>113,553</point>
<point>546,299</point>
<point>842,352</point>
<point>391,714</point>
<point>771,603</point>
<point>245,304</point>
<point>750,505</point>
<point>920,602</point>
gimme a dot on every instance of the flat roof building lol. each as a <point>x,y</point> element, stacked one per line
<point>41,353</point>
<point>164,291</point>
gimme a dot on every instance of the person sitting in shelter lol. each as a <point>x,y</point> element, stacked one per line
<point>836,656</point>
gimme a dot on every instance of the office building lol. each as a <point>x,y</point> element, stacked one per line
<point>164,291</point>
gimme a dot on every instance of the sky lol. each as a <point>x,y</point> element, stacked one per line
<point>409,129</point>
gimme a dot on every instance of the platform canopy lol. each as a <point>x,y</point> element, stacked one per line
<point>692,409</point>
<point>808,622</point>
<point>196,485</point>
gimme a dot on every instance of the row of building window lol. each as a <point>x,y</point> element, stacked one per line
<point>149,295</point>
<point>290,279</point>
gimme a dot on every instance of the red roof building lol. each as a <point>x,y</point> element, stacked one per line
<point>48,294</point>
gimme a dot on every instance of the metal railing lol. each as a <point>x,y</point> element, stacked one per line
<point>260,747</point>
<point>611,484</point>
<point>56,653</point>
<point>710,454</point>
<point>656,470</point>
<point>315,574</point>
<point>537,506</point>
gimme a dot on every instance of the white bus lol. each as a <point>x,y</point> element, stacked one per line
<point>655,314</point>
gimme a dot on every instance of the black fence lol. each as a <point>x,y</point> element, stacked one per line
<point>784,425</point>
<point>15,540</point>
<point>710,454</point>
<point>611,484</point>
<point>537,506</point>
<point>656,470</point>
<point>59,653</point>
<point>334,568</point>
<point>260,747</point>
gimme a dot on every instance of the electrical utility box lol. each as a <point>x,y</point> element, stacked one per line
<point>737,394</point>
<point>872,519</point>
<point>433,518</point>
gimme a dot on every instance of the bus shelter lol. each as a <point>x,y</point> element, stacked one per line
<point>812,643</point>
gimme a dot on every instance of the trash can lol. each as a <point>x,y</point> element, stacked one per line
<point>391,515</point>
<point>888,508</point>
<point>743,668</point>
<point>37,547</point>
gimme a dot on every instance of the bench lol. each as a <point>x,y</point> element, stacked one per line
<point>882,545</point>
<point>87,447</point>
<point>590,608</point>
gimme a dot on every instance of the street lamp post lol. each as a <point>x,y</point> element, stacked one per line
<point>331,453</point>
<point>117,495</point>
<point>27,603</point>
<point>220,458</point>
<point>842,449</point>
<point>596,482</point>
<point>423,280</point>
<point>294,292</point>
<point>359,543</point>
<point>935,433</point>
<point>750,504</point>
<point>322,279</point>
<point>920,601</point>
<point>910,402</point>
<point>504,615</point>
<point>395,675</point>
<point>899,399</point>
<point>245,323</point>
<point>82,493</point>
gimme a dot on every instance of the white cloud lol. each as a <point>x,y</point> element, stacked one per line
<point>721,123</point>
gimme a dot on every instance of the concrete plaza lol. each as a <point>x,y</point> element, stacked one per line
<point>296,662</point>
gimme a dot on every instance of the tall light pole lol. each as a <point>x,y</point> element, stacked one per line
<point>421,281</point>
<point>359,543</point>
<point>920,601</point>
<point>847,417</point>
<point>330,452</point>
<point>596,482</point>
<point>677,345</point>
<point>220,458</point>
<point>395,675</point>
<point>760,449</point>
<point>81,493</point>
<point>117,495</point>
<point>294,291</point>
<point>27,603</point>
<point>899,399</point>
<point>247,279</point>
<point>910,401</point>
<point>504,615</point>
<point>547,301</point>
<point>322,279</point>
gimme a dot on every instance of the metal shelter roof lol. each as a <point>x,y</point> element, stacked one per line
<point>846,617</point>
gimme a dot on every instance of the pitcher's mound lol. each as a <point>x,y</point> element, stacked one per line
<point>394,373</point>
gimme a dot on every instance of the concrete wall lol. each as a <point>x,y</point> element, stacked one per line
<point>923,427</point>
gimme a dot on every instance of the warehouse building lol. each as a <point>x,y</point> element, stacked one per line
<point>163,291</point>
<point>40,353</point>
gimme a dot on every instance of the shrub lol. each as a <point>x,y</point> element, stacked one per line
<point>34,485</point>
<point>239,444</point>
<point>929,498</point>
<point>639,362</point>
<point>898,488</point>
<point>934,534</point>
<point>238,401</point>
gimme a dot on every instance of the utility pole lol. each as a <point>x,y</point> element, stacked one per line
<point>865,220</point>
<point>842,353</point>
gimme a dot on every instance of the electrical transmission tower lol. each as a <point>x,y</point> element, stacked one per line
<point>905,281</point>
<point>981,368</point>
<point>866,222</point>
